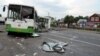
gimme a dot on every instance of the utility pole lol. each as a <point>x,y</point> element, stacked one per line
<point>48,14</point>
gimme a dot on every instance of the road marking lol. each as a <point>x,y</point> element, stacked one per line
<point>87,42</point>
<point>74,37</point>
<point>69,35</point>
<point>59,36</point>
<point>76,40</point>
<point>55,40</point>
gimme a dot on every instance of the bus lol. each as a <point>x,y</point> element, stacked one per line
<point>20,19</point>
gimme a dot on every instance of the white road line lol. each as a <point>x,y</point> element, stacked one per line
<point>59,36</point>
<point>55,40</point>
<point>20,54</point>
<point>76,40</point>
<point>87,42</point>
<point>70,35</point>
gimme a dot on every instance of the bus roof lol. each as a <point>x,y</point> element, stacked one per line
<point>17,5</point>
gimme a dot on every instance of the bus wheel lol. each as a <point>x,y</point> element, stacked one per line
<point>9,33</point>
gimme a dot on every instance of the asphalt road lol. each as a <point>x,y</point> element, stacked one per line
<point>81,43</point>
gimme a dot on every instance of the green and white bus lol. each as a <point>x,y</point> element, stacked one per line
<point>20,19</point>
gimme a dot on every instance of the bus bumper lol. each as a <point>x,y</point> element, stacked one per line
<point>19,30</point>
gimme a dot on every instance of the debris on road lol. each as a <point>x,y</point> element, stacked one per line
<point>20,54</point>
<point>34,54</point>
<point>21,45</point>
<point>54,47</point>
<point>35,35</point>
<point>17,37</point>
<point>22,39</point>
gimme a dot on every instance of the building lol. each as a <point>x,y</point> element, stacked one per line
<point>82,22</point>
<point>61,23</point>
<point>94,20</point>
<point>49,20</point>
<point>45,22</point>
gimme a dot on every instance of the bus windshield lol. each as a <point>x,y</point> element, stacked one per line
<point>20,12</point>
<point>14,12</point>
<point>27,12</point>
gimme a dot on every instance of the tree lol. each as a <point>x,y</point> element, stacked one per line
<point>86,17</point>
<point>80,17</point>
<point>76,19</point>
<point>0,15</point>
<point>69,19</point>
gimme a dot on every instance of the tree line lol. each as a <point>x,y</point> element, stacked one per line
<point>69,19</point>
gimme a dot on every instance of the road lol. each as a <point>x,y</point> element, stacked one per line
<point>81,43</point>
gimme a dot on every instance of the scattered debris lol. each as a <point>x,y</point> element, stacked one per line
<point>35,35</point>
<point>54,47</point>
<point>22,39</point>
<point>17,37</point>
<point>21,45</point>
<point>20,55</point>
<point>34,54</point>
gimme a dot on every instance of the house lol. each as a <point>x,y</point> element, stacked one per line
<point>94,20</point>
<point>82,22</point>
<point>61,23</point>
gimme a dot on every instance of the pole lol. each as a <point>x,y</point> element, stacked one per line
<point>48,14</point>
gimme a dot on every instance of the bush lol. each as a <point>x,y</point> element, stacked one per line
<point>99,26</point>
<point>53,25</point>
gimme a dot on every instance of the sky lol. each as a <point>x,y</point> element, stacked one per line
<point>58,8</point>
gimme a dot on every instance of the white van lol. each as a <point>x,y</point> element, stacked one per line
<point>2,19</point>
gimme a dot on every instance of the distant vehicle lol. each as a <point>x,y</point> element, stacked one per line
<point>20,19</point>
<point>2,19</point>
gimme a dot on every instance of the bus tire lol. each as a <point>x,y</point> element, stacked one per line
<point>9,33</point>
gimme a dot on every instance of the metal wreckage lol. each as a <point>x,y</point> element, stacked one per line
<point>54,47</point>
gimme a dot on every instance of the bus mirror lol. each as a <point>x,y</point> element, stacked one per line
<point>4,9</point>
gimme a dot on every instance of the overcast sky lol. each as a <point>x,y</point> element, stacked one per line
<point>59,8</point>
